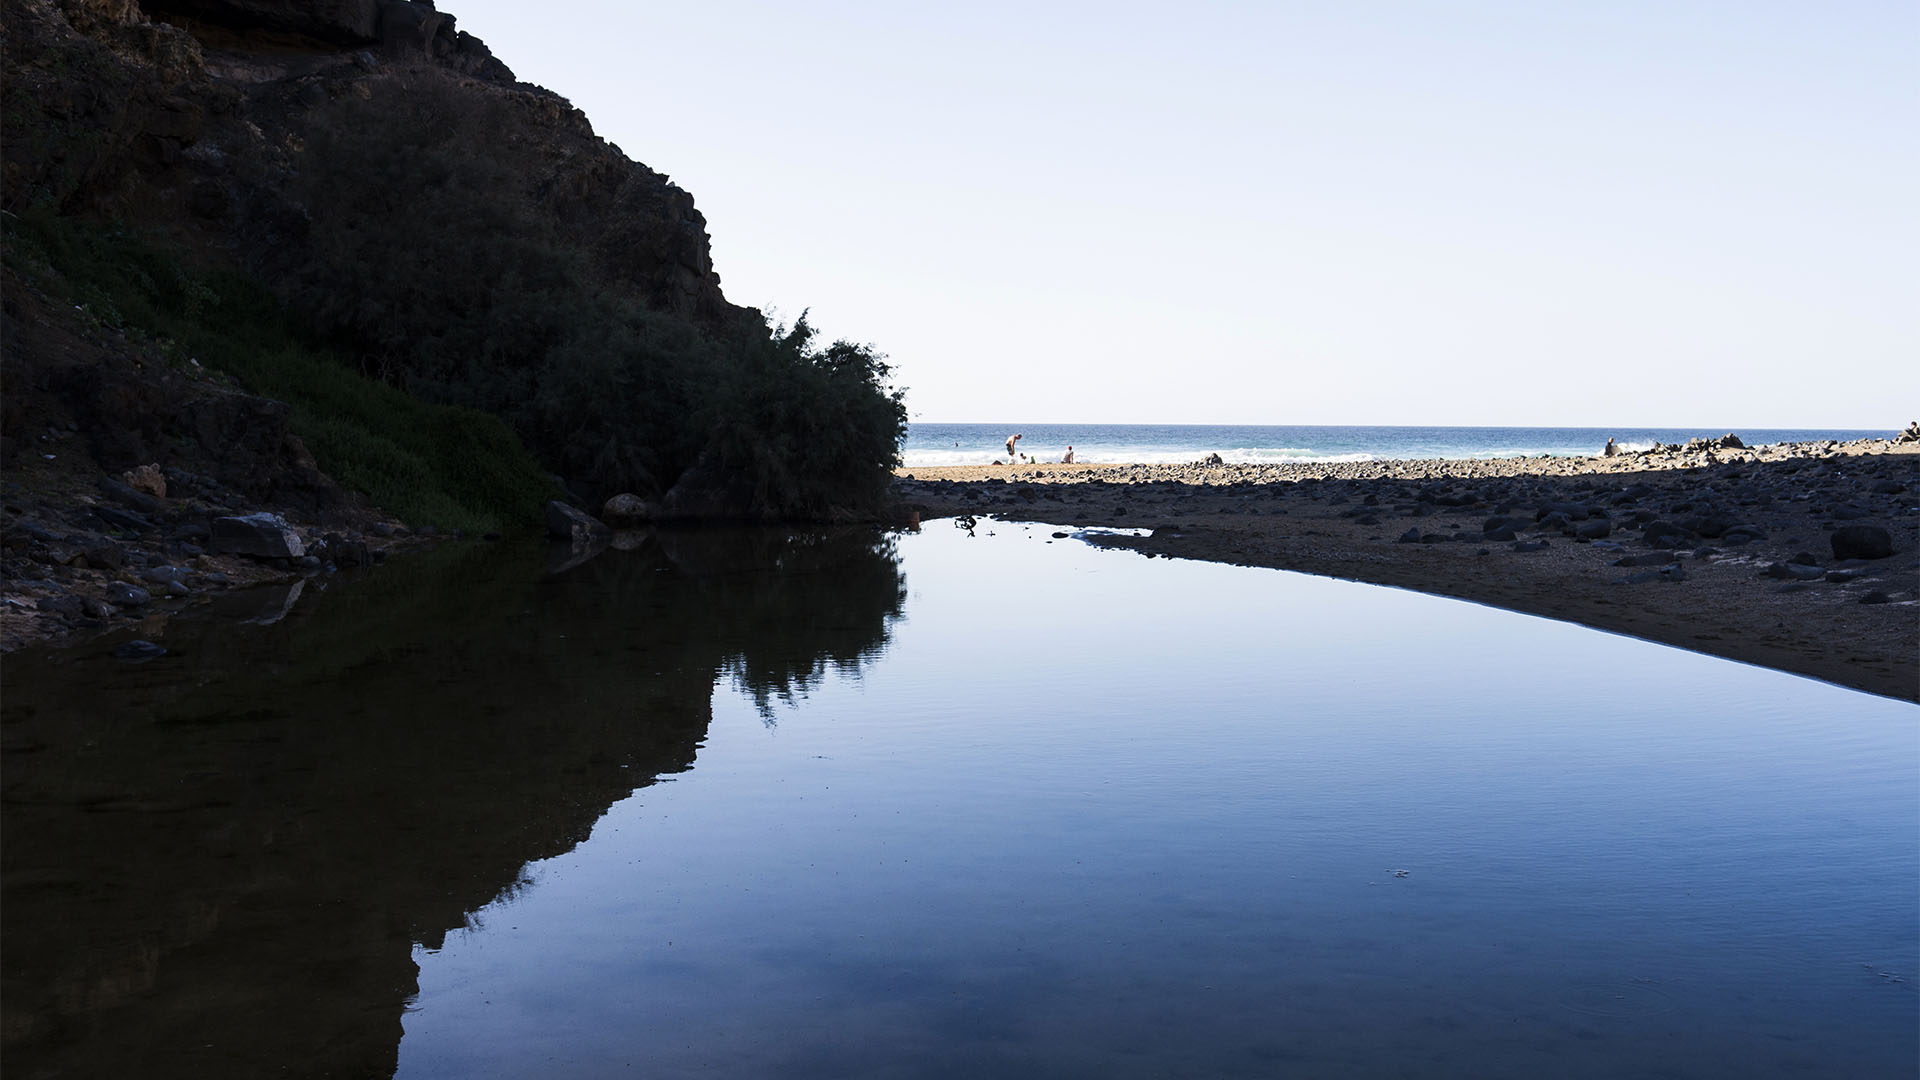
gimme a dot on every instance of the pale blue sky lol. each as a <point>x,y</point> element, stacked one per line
<point>1663,214</point>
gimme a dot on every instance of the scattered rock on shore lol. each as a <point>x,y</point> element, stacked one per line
<point>1861,542</point>
<point>263,535</point>
<point>1738,525</point>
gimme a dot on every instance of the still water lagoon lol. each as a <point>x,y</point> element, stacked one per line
<point>944,804</point>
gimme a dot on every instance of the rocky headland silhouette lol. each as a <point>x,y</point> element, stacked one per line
<point>336,263</point>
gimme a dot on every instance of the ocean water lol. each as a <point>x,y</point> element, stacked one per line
<point>982,444</point>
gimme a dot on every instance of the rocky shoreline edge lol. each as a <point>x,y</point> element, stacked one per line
<point>1800,557</point>
<point>151,543</point>
<point>1804,557</point>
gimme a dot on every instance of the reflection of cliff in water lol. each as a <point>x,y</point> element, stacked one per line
<point>217,863</point>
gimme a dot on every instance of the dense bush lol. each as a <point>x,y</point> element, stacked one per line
<point>433,260</point>
<point>808,430</point>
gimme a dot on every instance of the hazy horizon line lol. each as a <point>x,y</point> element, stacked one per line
<point>1733,428</point>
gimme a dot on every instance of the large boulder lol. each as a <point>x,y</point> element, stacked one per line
<point>1710,525</point>
<point>565,522</point>
<point>709,492</point>
<point>121,594</point>
<point>1861,542</point>
<point>262,535</point>
<point>147,479</point>
<point>1665,534</point>
<point>626,511</point>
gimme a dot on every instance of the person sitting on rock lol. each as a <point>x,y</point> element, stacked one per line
<point>1912,434</point>
<point>1068,460</point>
<point>1611,449</point>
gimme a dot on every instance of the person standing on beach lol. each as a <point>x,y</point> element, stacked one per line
<point>1011,439</point>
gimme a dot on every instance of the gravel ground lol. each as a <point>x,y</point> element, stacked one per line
<point>1770,555</point>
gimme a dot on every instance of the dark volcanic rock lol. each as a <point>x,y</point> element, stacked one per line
<point>120,594</point>
<point>1711,526</point>
<point>707,491</point>
<point>337,22</point>
<point>626,510</point>
<point>262,535</point>
<point>1861,542</point>
<point>573,524</point>
<point>1570,511</point>
<point>1665,534</point>
<point>347,552</point>
<point>138,650</point>
<point>1651,558</point>
<point>105,556</point>
<point>122,519</point>
<point>130,497</point>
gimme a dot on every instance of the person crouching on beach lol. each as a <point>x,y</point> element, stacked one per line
<point>1068,460</point>
<point>1011,439</point>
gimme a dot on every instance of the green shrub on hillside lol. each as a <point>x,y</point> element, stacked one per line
<point>809,429</point>
<point>449,277</point>
<point>455,468</point>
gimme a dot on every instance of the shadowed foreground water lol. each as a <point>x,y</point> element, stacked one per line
<point>944,806</point>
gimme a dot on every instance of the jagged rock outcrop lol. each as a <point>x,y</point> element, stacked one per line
<point>197,114</point>
<point>78,393</point>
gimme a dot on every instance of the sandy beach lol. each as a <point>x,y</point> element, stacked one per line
<point>1772,555</point>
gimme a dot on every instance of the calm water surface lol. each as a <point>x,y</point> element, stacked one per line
<point>947,805</point>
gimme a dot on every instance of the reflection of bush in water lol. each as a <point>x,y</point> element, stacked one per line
<point>360,775</point>
<point>780,608</point>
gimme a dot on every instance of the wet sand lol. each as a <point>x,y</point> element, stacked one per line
<point>1722,550</point>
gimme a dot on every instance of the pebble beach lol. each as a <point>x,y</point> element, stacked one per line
<point>1804,557</point>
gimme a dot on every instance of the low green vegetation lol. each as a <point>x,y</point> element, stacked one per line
<point>451,467</point>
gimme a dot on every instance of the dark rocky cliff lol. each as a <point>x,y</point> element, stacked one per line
<point>197,116</point>
<point>258,247</point>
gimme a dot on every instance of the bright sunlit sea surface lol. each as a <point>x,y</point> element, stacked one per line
<point>1087,814</point>
<point>982,444</point>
